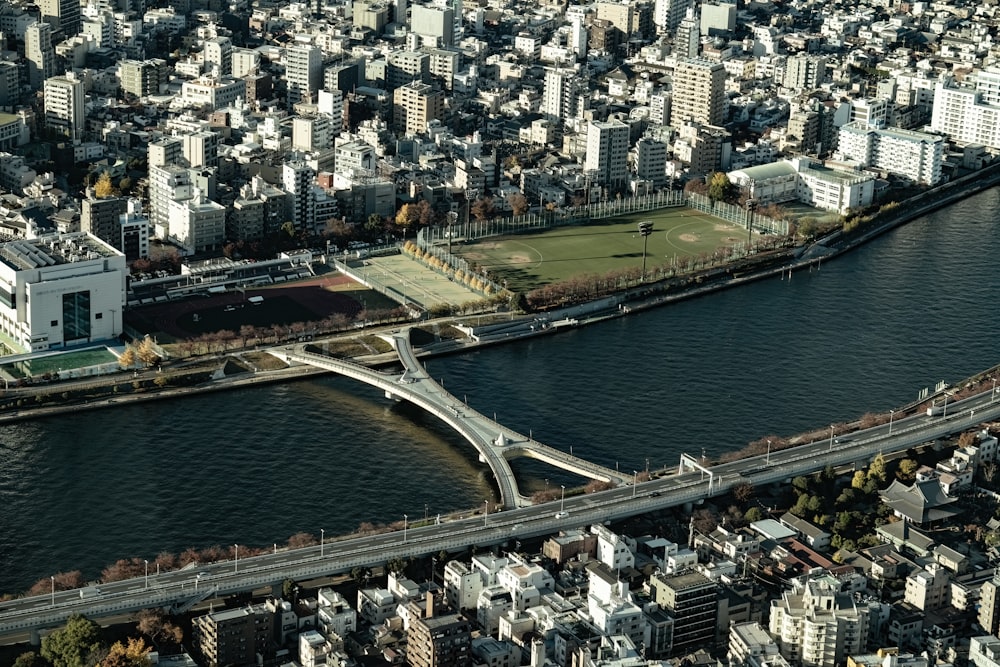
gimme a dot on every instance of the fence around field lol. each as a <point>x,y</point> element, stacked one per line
<point>435,240</point>
<point>738,215</point>
<point>371,280</point>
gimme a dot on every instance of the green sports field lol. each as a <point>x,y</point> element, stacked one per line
<point>527,261</point>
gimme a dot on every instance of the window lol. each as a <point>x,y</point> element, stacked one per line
<point>99,316</point>
<point>54,323</point>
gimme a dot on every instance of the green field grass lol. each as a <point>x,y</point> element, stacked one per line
<point>528,261</point>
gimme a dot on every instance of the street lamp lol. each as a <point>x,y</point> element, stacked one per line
<point>322,540</point>
<point>236,560</point>
<point>404,528</point>
<point>993,396</point>
<point>147,573</point>
<point>562,497</point>
<point>52,578</point>
<point>486,511</point>
<point>891,414</point>
<point>645,229</point>
<point>635,481</point>
<point>831,437</point>
<point>767,459</point>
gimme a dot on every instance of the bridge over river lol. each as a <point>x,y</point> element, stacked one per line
<point>496,443</point>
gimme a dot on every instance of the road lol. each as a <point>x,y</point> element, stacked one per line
<point>184,588</point>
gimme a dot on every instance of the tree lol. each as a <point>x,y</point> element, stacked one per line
<point>754,514</point>
<point>743,492</point>
<point>289,590</point>
<point>374,223</point>
<point>73,644</point>
<point>30,659</point>
<point>858,481</point>
<point>133,653</point>
<point>719,187</point>
<point>407,215</point>
<point>125,184</point>
<point>103,188</point>
<point>876,471</point>
<point>482,208</point>
<point>907,471</point>
<point>800,484</point>
<point>518,203</point>
<point>159,627</point>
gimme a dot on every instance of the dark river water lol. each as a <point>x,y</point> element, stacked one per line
<point>863,333</point>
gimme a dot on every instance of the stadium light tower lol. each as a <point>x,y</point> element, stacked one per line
<point>645,228</point>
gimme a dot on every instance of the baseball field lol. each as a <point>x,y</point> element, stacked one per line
<point>527,261</point>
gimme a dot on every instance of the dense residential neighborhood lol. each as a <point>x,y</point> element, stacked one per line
<point>195,129</point>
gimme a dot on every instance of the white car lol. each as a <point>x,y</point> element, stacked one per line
<point>562,515</point>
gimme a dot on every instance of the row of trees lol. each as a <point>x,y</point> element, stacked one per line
<point>139,353</point>
<point>467,278</point>
<point>79,644</point>
<point>222,341</point>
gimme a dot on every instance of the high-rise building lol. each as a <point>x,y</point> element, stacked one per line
<point>303,72</point>
<point>564,93</point>
<point>667,14</point>
<point>312,134</point>
<point>687,43</point>
<point>143,77</point>
<point>989,605</point>
<point>818,626</point>
<point>699,93</point>
<point>168,150</point>
<point>406,66</point>
<point>100,27</point>
<point>804,72</point>
<point>10,84</point>
<point>651,161</point>
<point>414,105</point>
<point>607,152</point>
<point>439,641</point>
<point>198,224</point>
<point>691,600</point>
<point>201,149</point>
<point>232,636</point>
<point>100,218</point>
<point>435,24</point>
<point>39,54</point>
<point>969,112</point>
<point>914,155</point>
<point>63,15</point>
<point>245,61</point>
<point>218,56</point>
<point>297,178</point>
<point>134,230</point>
<point>64,109</point>
<point>166,183</point>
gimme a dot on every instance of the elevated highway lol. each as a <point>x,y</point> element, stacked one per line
<point>182,588</point>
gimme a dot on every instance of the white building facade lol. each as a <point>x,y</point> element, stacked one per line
<point>61,289</point>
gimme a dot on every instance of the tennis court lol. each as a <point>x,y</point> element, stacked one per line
<point>527,261</point>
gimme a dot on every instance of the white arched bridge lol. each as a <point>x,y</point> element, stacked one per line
<point>495,443</point>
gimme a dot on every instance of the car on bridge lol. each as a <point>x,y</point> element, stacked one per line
<point>562,515</point>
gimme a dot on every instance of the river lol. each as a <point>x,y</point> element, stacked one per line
<point>864,332</point>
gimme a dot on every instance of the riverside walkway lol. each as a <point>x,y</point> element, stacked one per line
<point>496,443</point>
